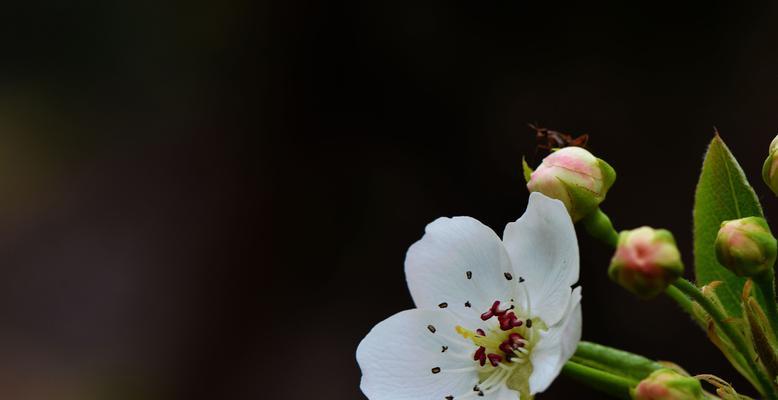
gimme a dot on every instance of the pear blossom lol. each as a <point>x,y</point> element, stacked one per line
<point>495,319</point>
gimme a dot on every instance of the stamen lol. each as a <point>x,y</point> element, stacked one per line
<point>494,359</point>
<point>493,310</point>
<point>480,355</point>
<point>509,321</point>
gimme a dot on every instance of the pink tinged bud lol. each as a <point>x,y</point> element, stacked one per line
<point>666,384</point>
<point>770,167</point>
<point>646,261</point>
<point>745,246</point>
<point>575,177</point>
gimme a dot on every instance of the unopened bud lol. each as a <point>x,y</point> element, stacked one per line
<point>745,246</point>
<point>646,261</point>
<point>770,167</point>
<point>574,176</point>
<point>666,384</point>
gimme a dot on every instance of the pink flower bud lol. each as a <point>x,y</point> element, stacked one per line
<point>745,246</point>
<point>666,384</point>
<point>646,261</point>
<point>574,176</point>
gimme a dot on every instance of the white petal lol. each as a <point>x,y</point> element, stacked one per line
<point>399,354</point>
<point>503,393</point>
<point>571,332</point>
<point>543,250</point>
<point>556,346</point>
<point>459,262</point>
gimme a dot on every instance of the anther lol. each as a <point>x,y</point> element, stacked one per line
<point>529,323</point>
<point>443,305</point>
<point>512,343</point>
<point>467,304</point>
<point>480,332</point>
<point>431,328</point>
<point>516,339</point>
<point>509,321</point>
<point>436,370</point>
<point>508,276</point>
<point>493,310</point>
<point>469,274</point>
<point>494,359</point>
<point>444,348</point>
<point>480,355</point>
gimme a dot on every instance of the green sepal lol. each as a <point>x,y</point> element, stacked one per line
<point>527,170</point>
<point>608,174</point>
<point>582,200</point>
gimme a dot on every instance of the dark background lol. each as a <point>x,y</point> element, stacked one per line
<point>214,199</point>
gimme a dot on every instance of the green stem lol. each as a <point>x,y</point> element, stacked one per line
<point>600,227</point>
<point>615,361</point>
<point>681,299</point>
<point>606,382</point>
<point>729,331</point>
<point>766,284</point>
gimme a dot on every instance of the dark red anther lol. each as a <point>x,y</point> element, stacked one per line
<point>513,342</point>
<point>516,340</point>
<point>494,310</point>
<point>506,347</point>
<point>509,321</point>
<point>494,359</point>
<point>480,355</point>
<point>480,332</point>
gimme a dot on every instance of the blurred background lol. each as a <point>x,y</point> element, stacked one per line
<point>214,199</point>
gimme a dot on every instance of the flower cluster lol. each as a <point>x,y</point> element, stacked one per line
<point>501,318</point>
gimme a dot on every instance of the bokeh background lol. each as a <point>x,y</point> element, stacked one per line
<point>214,199</point>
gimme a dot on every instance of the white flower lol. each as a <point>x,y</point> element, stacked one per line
<point>495,319</point>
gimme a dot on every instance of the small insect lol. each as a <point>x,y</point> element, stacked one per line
<point>548,139</point>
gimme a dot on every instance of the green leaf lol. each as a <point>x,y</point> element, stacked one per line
<point>723,193</point>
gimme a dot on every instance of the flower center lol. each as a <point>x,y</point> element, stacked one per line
<point>503,350</point>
